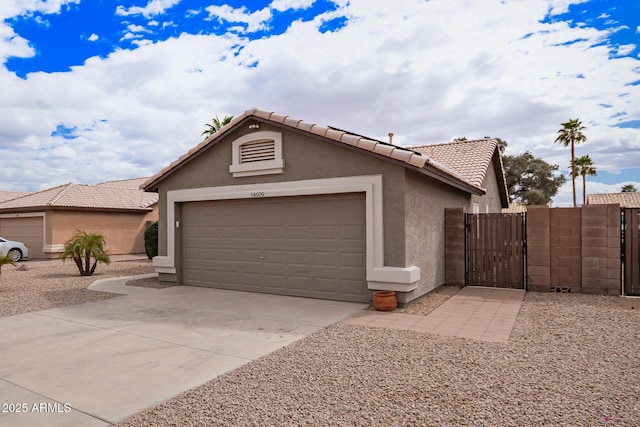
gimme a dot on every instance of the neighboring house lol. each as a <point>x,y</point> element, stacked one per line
<point>45,220</point>
<point>515,207</point>
<point>9,195</point>
<point>625,200</point>
<point>278,205</point>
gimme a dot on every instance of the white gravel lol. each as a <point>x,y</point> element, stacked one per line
<point>56,285</point>
<point>572,360</point>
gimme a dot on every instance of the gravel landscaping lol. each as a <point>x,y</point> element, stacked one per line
<point>572,360</point>
<point>57,285</point>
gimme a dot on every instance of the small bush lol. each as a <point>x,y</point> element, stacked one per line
<point>151,240</point>
<point>82,248</point>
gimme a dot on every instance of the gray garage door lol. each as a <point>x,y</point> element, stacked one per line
<point>311,246</point>
<point>27,230</point>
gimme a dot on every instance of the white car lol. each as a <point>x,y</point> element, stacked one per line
<point>16,250</point>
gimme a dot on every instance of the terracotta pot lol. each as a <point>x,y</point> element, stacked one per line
<point>384,300</point>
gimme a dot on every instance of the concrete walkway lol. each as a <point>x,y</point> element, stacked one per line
<point>95,364</point>
<point>486,314</point>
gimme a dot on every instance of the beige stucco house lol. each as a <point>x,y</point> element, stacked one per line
<point>279,205</point>
<point>45,220</point>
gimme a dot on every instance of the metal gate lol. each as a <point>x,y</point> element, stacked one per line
<point>631,250</point>
<point>496,250</point>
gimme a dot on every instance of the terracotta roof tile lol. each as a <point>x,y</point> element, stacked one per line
<point>350,139</point>
<point>445,165</point>
<point>125,183</point>
<point>9,195</point>
<point>471,159</point>
<point>515,208</point>
<point>102,196</point>
<point>625,200</point>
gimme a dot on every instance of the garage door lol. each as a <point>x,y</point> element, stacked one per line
<point>26,230</point>
<point>311,246</point>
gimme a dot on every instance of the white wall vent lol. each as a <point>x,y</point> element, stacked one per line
<point>258,153</point>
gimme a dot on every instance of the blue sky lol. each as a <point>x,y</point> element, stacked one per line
<point>96,90</point>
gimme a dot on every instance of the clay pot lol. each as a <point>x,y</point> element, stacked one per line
<point>385,300</point>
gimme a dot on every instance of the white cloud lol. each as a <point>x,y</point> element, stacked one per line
<point>153,8</point>
<point>282,5</point>
<point>255,21</point>
<point>93,37</point>
<point>423,70</point>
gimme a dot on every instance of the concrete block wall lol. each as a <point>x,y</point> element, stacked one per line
<point>565,249</point>
<point>454,246</point>
<point>568,249</point>
<point>538,247</point>
<point>574,249</point>
<point>601,269</point>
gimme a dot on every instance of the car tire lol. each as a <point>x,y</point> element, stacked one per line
<point>15,254</point>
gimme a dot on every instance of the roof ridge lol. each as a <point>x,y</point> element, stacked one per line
<point>405,155</point>
<point>440,144</point>
<point>57,197</point>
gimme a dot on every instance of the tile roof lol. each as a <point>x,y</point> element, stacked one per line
<point>625,200</point>
<point>85,197</point>
<point>125,183</point>
<point>471,159</point>
<point>515,208</point>
<point>8,195</point>
<point>409,157</point>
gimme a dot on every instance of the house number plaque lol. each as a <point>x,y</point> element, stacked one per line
<point>257,194</point>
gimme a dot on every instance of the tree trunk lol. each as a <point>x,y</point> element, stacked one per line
<point>573,166</point>
<point>584,190</point>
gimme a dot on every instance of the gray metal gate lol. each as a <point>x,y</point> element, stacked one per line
<point>496,250</point>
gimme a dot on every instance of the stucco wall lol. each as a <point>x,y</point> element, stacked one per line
<point>123,232</point>
<point>426,200</point>
<point>305,158</point>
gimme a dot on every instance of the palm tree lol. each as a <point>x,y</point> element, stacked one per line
<point>6,259</point>
<point>571,133</point>
<point>84,246</point>
<point>583,165</point>
<point>629,188</point>
<point>215,125</point>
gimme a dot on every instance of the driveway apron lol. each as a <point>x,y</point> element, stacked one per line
<point>96,364</point>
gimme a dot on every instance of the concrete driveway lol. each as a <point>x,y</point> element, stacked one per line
<point>98,363</point>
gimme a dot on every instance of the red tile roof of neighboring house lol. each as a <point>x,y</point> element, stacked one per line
<point>125,183</point>
<point>515,208</point>
<point>625,200</point>
<point>8,195</point>
<point>99,197</point>
<point>430,165</point>
<point>471,159</point>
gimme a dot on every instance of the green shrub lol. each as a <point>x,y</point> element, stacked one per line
<point>82,248</point>
<point>151,240</point>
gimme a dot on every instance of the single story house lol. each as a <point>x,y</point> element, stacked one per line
<point>274,204</point>
<point>625,200</point>
<point>46,219</point>
<point>9,195</point>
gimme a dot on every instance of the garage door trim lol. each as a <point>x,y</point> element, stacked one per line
<point>403,279</point>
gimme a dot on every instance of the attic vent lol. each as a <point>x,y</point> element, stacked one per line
<point>257,151</point>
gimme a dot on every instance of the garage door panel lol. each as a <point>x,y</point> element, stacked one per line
<point>28,230</point>
<point>352,260</point>
<point>310,246</point>
<point>274,256</point>
<point>299,232</point>
<point>324,259</point>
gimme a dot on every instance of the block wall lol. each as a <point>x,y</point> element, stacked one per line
<point>454,246</point>
<point>574,249</point>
